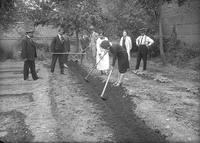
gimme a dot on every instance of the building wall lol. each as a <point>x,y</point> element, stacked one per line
<point>10,41</point>
<point>185,18</point>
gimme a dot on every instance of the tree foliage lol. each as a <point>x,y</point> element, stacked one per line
<point>125,15</point>
<point>153,7</point>
<point>7,11</point>
<point>76,15</point>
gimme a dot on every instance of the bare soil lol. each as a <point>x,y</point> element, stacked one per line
<point>166,98</point>
<point>152,107</point>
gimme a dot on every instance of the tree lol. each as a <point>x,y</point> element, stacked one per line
<point>14,11</point>
<point>34,10</point>
<point>125,14</point>
<point>75,16</point>
<point>154,9</point>
<point>7,11</point>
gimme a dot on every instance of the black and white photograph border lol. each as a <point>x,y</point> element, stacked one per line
<point>100,71</point>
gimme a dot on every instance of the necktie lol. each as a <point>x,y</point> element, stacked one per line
<point>141,40</point>
<point>31,40</point>
<point>123,43</point>
<point>62,39</point>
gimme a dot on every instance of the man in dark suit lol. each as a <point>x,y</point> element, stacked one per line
<point>59,45</point>
<point>29,54</point>
<point>84,45</point>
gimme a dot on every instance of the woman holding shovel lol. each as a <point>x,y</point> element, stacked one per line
<point>119,54</point>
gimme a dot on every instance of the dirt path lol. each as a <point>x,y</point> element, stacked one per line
<point>62,108</point>
<point>66,108</point>
<point>29,102</point>
<point>166,99</point>
<point>84,117</point>
<point>80,117</point>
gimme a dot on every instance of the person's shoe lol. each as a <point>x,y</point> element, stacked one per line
<point>65,66</point>
<point>135,71</point>
<point>76,60</point>
<point>144,72</point>
<point>115,83</point>
<point>27,79</point>
<point>37,78</point>
<point>106,73</point>
<point>37,70</point>
<point>103,98</point>
<point>118,84</point>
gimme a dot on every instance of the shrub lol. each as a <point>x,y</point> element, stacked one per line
<point>154,50</point>
<point>180,53</point>
<point>7,53</point>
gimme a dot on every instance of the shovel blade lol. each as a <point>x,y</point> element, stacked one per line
<point>86,79</point>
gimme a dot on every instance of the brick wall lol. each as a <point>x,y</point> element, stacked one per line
<point>10,41</point>
<point>185,18</point>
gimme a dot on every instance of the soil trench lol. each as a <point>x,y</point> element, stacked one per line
<point>65,108</point>
<point>115,116</point>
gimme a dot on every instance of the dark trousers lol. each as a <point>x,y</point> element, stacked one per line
<point>60,60</point>
<point>28,64</point>
<point>142,54</point>
<point>66,59</point>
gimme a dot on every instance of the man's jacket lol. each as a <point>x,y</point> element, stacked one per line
<point>58,46</point>
<point>28,49</point>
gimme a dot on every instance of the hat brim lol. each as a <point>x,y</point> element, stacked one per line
<point>143,29</point>
<point>30,31</point>
<point>91,27</point>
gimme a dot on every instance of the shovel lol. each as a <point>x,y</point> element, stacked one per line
<point>86,78</point>
<point>106,85</point>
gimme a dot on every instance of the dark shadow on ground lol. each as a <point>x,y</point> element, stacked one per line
<point>122,109</point>
<point>14,125</point>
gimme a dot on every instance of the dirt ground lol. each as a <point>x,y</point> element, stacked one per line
<point>166,99</point>
<point>159,106</point>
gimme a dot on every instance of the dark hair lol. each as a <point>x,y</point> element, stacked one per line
<point>101,32</point>
<point>125,31</point>
<point>105,44</point>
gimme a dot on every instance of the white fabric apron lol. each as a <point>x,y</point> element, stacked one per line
<point>104,63</point>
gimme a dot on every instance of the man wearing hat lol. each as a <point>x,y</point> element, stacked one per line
<point>59,45</point>
<point>84,45</point>
<point>143,42</point>
<point>29,54</point>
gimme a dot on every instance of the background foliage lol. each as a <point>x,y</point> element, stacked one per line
<point>111,16</point>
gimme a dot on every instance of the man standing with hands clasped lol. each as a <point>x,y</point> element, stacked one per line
<point>59,45</point>
<point>29,54</point>
<point>143,42</point>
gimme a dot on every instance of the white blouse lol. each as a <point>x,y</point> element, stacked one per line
<point>144,40</point>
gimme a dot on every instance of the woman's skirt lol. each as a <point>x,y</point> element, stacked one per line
<point>123,63</point>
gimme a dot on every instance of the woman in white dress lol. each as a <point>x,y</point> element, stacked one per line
<point>102,55</point>
<point>126,43</point>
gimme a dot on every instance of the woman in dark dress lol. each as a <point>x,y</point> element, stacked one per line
<point>119,54</point>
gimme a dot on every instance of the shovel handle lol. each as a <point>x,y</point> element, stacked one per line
<point>106,83</point>
<point>95,65</point>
